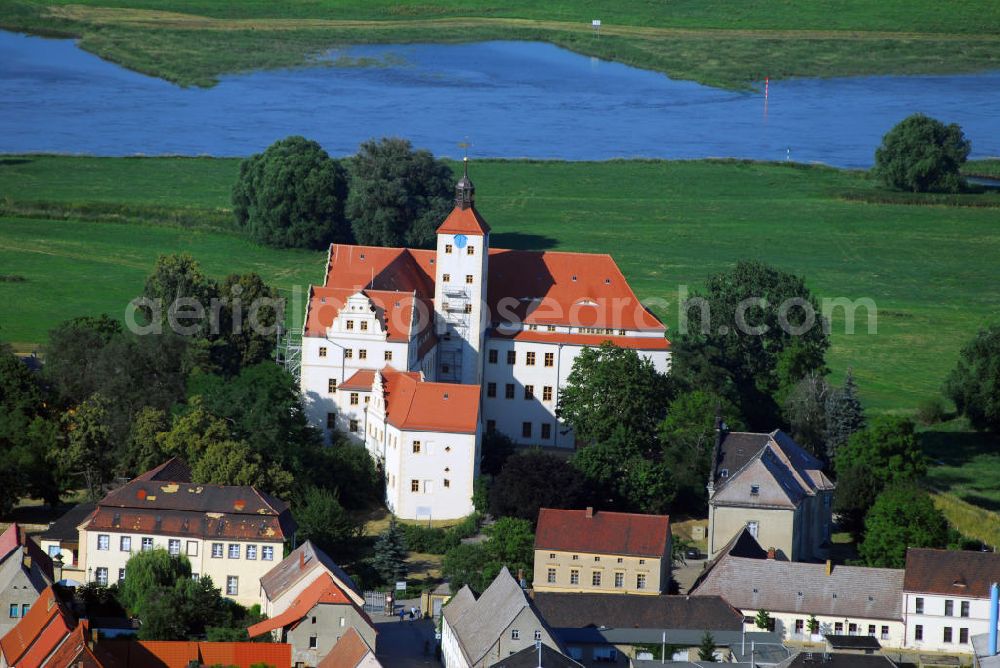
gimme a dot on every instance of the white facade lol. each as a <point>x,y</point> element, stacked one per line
<point>944,623</point>
<point>459,300</point>
<point>794,626</point>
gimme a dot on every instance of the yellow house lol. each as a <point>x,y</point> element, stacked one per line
<point>602,552</point>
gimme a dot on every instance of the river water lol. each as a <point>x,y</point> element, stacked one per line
<point>508,99</point>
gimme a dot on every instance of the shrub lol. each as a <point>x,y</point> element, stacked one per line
<point>922,154</point>
<point>930,411</point>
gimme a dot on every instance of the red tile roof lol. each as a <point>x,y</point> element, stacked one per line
<point>181,653</point>
<point>395,310</point>
<point>348,651</point>
<point>322,591</point>
<point>630,342</point>
<point>388,269</point>
<point>602,533</point>
<point>464,221</point>
<point>961,573</point>
<point>359,380</point>
<point>75,652</point>
<point>39,632</point>
<point>14,539</point>
<point>416,405</point>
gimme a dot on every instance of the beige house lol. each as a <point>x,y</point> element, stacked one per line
<point>771,486</point>
<point>283,584</point>
<point>595,552</point>
<point>233,534</point>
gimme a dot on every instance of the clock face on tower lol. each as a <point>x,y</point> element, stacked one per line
<point>461,240</point>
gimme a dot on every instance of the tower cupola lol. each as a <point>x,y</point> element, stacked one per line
<point>465,192</point>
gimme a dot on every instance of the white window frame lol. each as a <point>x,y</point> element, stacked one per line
<point>234,551</point>
<point>174,547</point>
<point>125,544</point>
<point>103,542</point>
<point>232,585</point>
<point>192,548</point>
<point>267,553</point>
<point>218,550</point>
<point>101,575</point>
<point>147,543</point>
<point>251,552</point>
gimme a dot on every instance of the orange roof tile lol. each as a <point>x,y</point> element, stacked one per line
<point>373,267</point>
<point>74,650</point>
<point>630,342</point>
<point>322,590</point>
<point>464,221</point>
<point>416,405</point>
<point>38,633</point>
<point>182,653</point>
<point>602,532</point>
<point>359,380</point>
<point>395,310</point>
<point>348,651</point>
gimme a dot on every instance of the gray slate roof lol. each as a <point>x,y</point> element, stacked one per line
<point>833,660</point>
<point>528,658</point>
<point>632,611</point>
<point>299,564</point>
<point>790,586</point>
<point>65,528</point>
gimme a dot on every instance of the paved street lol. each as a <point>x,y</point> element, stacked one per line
<point>403,643</point>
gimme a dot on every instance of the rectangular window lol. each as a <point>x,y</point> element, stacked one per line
<point>447,278</point>
<point>447,249</point>
<point>871,630</point>
<point>232,585</point>
<point>121,575</point>
<point>362,354</point>
<point>964,609</point>
<point>946,636</point>
<point>491,426</point>
<point>508,391</point>
<point>514,634</point>
<point>491,390</point>
<point>529,392</point>
<point>468,279</point>
<point>348,353</point>
<point>125,544</point>
<point>538,635</point>
<point>547,393</point>
<point>640,581</point>
<point>963,636</point>
<point>416,447</point>
<point>470,250</point>
<point>13,610</point>
<point>234,550</point>
<point>364,325</point>
<point>800,625</point>
<point>217,550</point>
<point>350,325</point>
<point>447,483</point>
<point>530,359</point>
<point>550,359</point>
<point>838,627</point>
<point>322,352</point>
<point>192,548</point>
<point>754,490</point>
<point>101,576</point>
<point>546,431</point>
<point>574,577</point>
<point>551,576</point>
<point>949,608</point>
<point>331,385</point>
<point>147,544</point>
<point>312,642</point>
<point>492,356</point>
<point>252,552</point>
<point>331,420</point>
<point>619,580</point>
<point>852,629</point>
<point>353,426</point>
<point>885,633</point>
<point>918,605</point>
<point>54,550</point>
<point>174,547</point>
<point>595,579</point>
<point>526,429</point>
<point>511,357</point>
<point>918,632</point>
<point>468,308</point>
<point>267,553</point>
<point>103,541</point>
<point>551,328</point>
<point>388,356</point>
<point>355,398</point>
<point>414,485</point>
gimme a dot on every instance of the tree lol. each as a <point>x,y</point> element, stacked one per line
<point>73,352</point>
<point>760,332</point>
<point>763,620</point>
<point>886,452</point>
<point>921,154</point>
<point>324,521</point>
<point>610,387</point>
<point>706,651</point>
<point>903,516</point>
<point>512,544</point>
<point>625,475</point>
<point>88,454</point>
<point>389,559</point>
<point>844,416</point>
<point>812,624</point>
<point>469,564</point>
<point>534,479</point>
<point>146,572</point>
<point>805,410</point>
<point>974,384</point>
<point>248,321</point>
<point>497,447</point>
<point>292,196</point>
<point>178,286</point>
<point>398,196</point>
<point>144,450</point>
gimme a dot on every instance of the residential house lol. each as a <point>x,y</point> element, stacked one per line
<point>845,600</point>
<point>38,634</point>
<point>25,571</point>
<point>773,487</point>
<point>351,651</point>
<point>283,584</point>
<point>184,653</point>
<point>62,538</point>
<point>316,621</point>
<point>590,551</point>
<point>233,534</point>
<point>946,597</point>
<point>602,629</point>
<point>541,656</point>
<point>808,659</point>
<point>476,633</point>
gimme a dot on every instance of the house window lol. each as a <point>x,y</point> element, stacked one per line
<point>852,629</point>
<point>174,547</point>
<point>102,576</point>
<point>364,325</point>
<point>447,482</point>
<point>54,550</point>
<point>508,391</point>
<point>350,325</point>
<point>192,548</point>
<point>470,250</point>
<point>428,487</point>
<point>322,352</point>
<point>918,632</point>
<point>468,279</point>
<point>446,278</point>
<point>416,447</point>
<point>640,581</point>
<point>362,354</point>
<point>551,328</point>
<point>217,550</point>
<point>574,577</point>
<point>642,562</point>
<point>620,560</point>
<point>799,626</point>
<point>964,609</point>
<point>147,544</point>
<point>871,630</point>
<point>331,385</point>
<point>551,579</point>
<point>532,328</point>
<point>14,610</point>
<point>312,642</point>
<point>103,541</point>
<point>468,308</point>
<point>515,634</point>
<point>619,580</point>
<point>918,606</point>
<point>576,557</point>
<point>348,353</point>
<point>447,249</point>
<point>492,356</point>
<point>547,393</point>
<point>754,490</point>
<point>838,627</point>
<point>530,359</point>
<point>491,426</point>
<point>526,430</point>
<point>414,485</point>
<point>267,553</point>
<point>353,426</point>
<point>752,527</point>
<point>949,608</point>
<point>252,552</point>
<point>538,635</point>
<point>595,579</point>
<point>546,431</point>
<point>491,390</point>
<point>963,636</point>
<point>125,544</point>
<point>885,633</point>
<point>511,357</point>
<point>597,558</point>
<point>529,392</point>
<point>388,356</point>
<point>550,358</point>
<point>234,550</point>
<point>331,420</point>
<point>232,585</point>
<point>947,634</point>
<point>121,575</point>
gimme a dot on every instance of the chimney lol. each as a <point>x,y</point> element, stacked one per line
<point>57,568</point>
<point>994,614</point>
<point>26,558</point>
<point>93,638</point>
<point>771,553</point>
<point>302,560</point>
<point>590,511</point>
<point>829,567</point>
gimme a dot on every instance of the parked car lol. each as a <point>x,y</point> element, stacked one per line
<point>692,553</point>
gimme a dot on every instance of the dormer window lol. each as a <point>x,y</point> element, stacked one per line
<point>754,490</point>
<point>724,473</point>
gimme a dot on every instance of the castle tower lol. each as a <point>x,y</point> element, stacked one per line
<point>463,241</point>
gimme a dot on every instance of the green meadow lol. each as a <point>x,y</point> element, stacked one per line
<point>80,234</point>
<point>727,43</point>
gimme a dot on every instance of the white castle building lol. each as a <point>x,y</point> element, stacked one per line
<point>417,353</point>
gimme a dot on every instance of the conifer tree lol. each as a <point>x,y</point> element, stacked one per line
<point>844,416</point>
<point>390,553</point>
<point>706,651</point>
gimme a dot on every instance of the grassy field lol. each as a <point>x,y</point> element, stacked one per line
<point>930,269</point>
<point>729,43</point>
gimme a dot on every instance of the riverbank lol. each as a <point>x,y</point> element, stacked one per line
<point>726,44</point>
<point>83,233</point>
